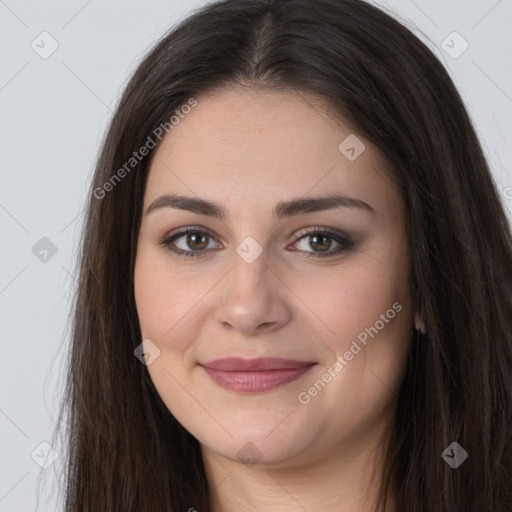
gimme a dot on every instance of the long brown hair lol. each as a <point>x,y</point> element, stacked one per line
<point>125,449</point>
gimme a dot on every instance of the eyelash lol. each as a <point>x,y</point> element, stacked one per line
<point>338,236</point>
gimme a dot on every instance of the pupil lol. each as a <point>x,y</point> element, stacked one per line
<point>325,239</point>
<point>192,239</point>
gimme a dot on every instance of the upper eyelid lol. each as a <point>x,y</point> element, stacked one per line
<point>183,231</point>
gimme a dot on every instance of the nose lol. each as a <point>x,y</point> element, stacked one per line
<point>252,299</point>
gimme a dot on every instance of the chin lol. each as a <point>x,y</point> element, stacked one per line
<point>262,444</point>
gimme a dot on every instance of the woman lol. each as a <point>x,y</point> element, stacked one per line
<point>295,286</point>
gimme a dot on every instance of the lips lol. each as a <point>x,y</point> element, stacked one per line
<point>234,364</point>
<point>255,375</point>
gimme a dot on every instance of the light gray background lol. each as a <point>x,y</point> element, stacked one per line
<point>54,112</point>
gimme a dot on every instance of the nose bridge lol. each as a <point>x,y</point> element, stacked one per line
<point>249,298</point>
<point>249,275</point>
<point>250,260</point>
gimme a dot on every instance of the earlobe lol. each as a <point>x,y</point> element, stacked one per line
<point>419,325</point>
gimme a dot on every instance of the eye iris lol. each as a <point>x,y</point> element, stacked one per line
<point>323,246</point>
<point>192,238</point>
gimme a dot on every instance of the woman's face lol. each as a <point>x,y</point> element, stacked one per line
<point>266,281</point>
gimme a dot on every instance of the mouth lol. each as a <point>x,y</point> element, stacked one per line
<point>255,375</point>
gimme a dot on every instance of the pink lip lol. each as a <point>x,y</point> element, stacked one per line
<point>254,375</point>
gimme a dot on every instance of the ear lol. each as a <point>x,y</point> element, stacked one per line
<point>419,324</point>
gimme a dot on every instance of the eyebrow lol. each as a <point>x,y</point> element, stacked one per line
<point>283,208</point>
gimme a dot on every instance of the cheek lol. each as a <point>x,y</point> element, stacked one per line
<point>366,307</point>
<point>368,315</point>
<point>353,297</point>
<point>162,300</point>
<point>168,309</point>
<point>170,300</point>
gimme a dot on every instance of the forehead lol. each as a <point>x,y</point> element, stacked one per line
<point>238,143</point>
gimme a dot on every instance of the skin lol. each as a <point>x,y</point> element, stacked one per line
<point>248,150</point>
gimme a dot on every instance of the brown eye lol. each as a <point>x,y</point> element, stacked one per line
<point>196,240</point>
<point>189,242</point>
<point>321,240</point>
